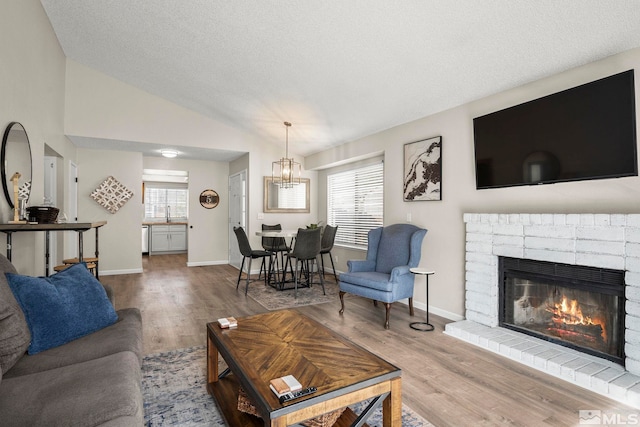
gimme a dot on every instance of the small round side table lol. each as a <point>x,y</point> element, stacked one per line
<point>423,326</point>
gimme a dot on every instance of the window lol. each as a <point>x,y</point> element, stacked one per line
<point>164,200</point>
<point>355,203</point>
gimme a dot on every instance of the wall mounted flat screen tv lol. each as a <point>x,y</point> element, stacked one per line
<point>586,132</point>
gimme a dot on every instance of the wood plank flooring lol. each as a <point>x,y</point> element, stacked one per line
<point>447,381</point>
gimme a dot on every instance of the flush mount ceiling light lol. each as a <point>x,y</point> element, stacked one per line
<point>283,171</point>
<point>169,153</point>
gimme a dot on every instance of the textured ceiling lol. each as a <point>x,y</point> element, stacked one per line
<point>338,70</point>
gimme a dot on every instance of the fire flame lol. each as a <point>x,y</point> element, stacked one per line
<point>569,312</point>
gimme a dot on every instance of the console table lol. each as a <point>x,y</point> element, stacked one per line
<point>79,227</point>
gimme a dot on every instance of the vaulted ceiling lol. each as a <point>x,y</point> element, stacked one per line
<point>338,70</point>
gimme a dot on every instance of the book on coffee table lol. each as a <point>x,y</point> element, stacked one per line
<point>227,322</point>
<point>284,385</point>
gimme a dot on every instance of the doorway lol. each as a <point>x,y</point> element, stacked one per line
<point>166,211</point>
<point>237,214</point>
<point>71,244</point>
<point>55,195</point>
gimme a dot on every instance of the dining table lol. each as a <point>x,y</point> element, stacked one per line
<point>280,280</point>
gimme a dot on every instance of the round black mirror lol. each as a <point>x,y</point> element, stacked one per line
<point>16,158</point>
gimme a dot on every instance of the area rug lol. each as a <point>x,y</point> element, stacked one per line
<point>174,387</point>
<point>273,299</point>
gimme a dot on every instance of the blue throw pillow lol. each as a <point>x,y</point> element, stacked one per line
<point>63,307</point>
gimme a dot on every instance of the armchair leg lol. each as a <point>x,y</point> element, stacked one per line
<point>411,306</point>
<point>342,301</point>
<point>388,307</point>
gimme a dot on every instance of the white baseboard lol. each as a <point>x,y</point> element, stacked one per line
<point>421,306</point>
<point>116,272</point>
<point>205,263</point>
<point>434,310</point>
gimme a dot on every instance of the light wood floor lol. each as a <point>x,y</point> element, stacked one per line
<point>445,380</point>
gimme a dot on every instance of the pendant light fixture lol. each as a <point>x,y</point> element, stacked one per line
<point>286,171</point>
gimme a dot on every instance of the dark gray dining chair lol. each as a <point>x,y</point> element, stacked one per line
<point>306,251</point>
<point>328,238</point>
<point>248,252</point>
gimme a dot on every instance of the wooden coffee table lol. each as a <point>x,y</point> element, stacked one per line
<point>278,343</point>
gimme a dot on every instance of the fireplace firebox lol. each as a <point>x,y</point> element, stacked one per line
<point>575,306</point>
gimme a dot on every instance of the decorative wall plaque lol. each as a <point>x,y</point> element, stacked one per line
<point>111,195</point>
<point>209,199</point>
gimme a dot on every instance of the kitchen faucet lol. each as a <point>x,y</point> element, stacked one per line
<point>168,213</point>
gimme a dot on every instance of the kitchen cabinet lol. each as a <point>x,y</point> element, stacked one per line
<point>168,238</point>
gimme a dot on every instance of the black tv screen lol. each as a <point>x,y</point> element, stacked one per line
<point>586,132</point>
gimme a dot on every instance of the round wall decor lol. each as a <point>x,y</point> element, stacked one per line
<point>209,199</point>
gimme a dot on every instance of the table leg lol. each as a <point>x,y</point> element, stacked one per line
<point>46,253</point>
<point>212,360</point>
<point>80,244</point>
<point>392,405</point>
<point>97,256</point>
<point>9,246</point>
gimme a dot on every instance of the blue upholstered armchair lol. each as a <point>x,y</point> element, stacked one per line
<point>384,276</point>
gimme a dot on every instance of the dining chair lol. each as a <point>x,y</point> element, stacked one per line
<point>275,245</point>
<point>306,251</point>
<point>328,238</point>
<point>248,252</point>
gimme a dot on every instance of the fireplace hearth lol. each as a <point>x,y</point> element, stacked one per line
<point>575,306</point>
<point>610,243</point>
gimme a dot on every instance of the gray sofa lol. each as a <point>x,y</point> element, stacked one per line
<point>94,380</point>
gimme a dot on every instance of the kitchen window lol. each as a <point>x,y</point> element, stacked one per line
<point>166,201</point>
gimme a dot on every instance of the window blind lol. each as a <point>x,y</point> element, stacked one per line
<point>158,197</point>
<point>355,203</point>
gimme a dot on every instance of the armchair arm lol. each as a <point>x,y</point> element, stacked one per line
<point>356,265</point>
<point>396,272</point>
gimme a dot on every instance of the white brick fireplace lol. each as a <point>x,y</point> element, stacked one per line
<point>609,241</point>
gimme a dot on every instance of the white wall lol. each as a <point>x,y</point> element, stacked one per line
<point>120,239</point>
<point>32,88</point>
<point>444,245</point>
<point>98,106</point>
<point>52,97</point>
<point>208,238</point>
<point>258,165</point>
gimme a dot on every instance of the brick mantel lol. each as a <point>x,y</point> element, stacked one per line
<point>598,240</point>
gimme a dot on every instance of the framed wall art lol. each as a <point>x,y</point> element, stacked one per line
<point>423,170</point>
<point>209,199</point>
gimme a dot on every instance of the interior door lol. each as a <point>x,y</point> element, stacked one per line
<point>51,197</point>
<point>71,239</point>
<point>237,214</point>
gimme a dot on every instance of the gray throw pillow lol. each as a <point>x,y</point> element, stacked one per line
<point>14,331</point>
